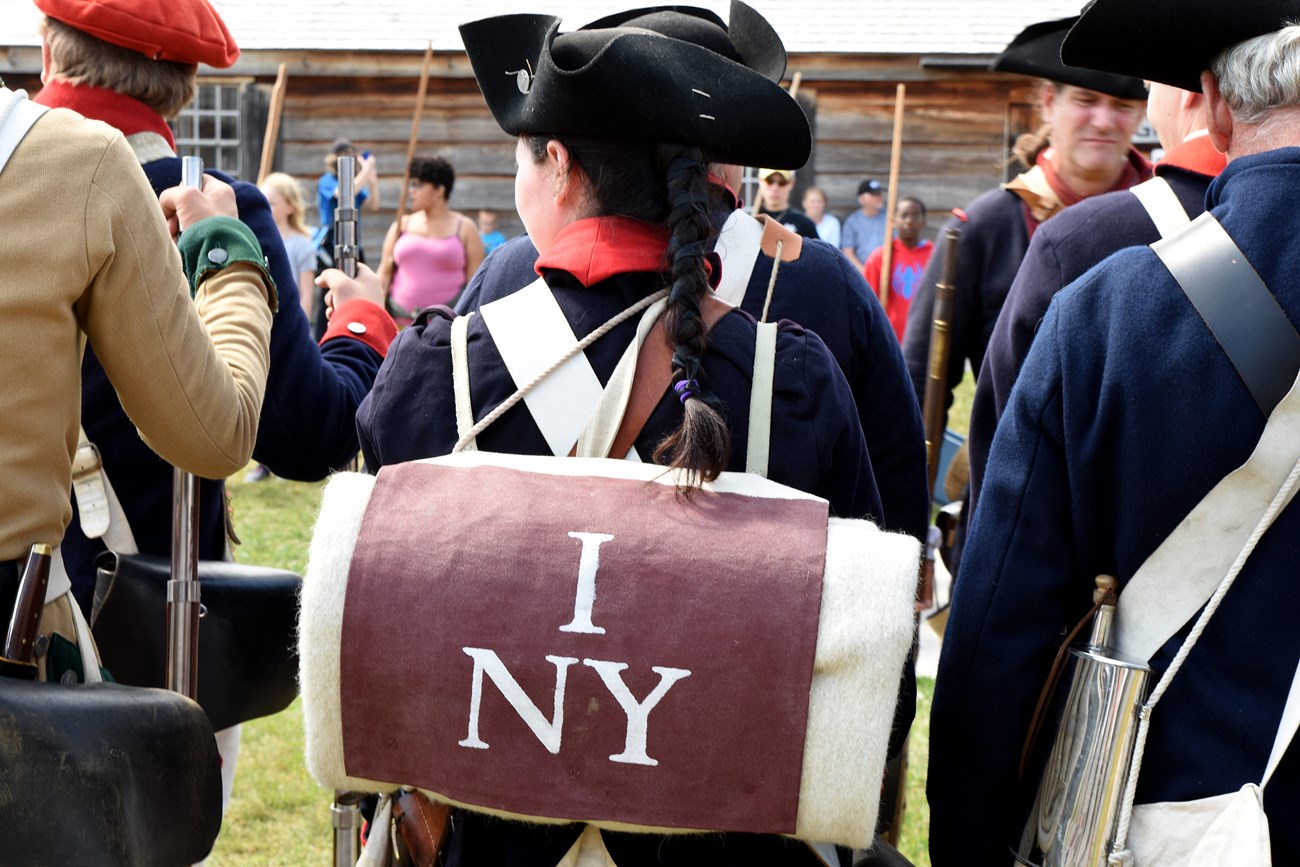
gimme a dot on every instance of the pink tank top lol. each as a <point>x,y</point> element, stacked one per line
<point>429,270</point>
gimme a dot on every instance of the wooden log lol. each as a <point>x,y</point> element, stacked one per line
<point>887,256</point>
<point>415,132</point>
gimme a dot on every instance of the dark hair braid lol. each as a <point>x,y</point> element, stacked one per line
<point>702,445</point>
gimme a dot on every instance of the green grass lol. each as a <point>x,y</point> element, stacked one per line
<point>278,816</point>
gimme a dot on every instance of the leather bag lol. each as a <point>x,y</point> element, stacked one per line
<point>128,776</point>
<point>248,662</point>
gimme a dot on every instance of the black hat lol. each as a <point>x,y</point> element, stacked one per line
<point>1037,51</point>
<point>872,186</point>
<point>661,74</point>
<point>1170,41</point>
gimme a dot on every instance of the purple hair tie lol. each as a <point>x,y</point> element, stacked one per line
<point>686,388</point>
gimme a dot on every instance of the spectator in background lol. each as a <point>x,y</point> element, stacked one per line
<point>488,232</point>
<point>284,197</point>
<point>434,251</point>
<point>828,226</point>
<point>774,187</point>
<point>282,194</point>
<point>906,264</point>
<point>864,229</point>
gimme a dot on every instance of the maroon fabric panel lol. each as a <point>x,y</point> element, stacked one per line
<point>462,573</point>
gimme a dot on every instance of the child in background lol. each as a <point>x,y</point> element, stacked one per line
<point>907,262</point>
<point>487,230</point>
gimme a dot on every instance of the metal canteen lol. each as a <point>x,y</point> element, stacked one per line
<point>1073,820</point>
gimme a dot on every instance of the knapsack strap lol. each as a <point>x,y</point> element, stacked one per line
<point>1162,206</point>
<point>17,114</point>
<point>460,379</point>
<point>760,400</point>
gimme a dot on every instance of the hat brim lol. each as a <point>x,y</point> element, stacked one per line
<point>1169,41</point>
<point>629,83</point>
<point>1036,51</point>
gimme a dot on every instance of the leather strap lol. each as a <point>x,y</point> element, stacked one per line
<point>1239,309</point>
<point>1162,206</point>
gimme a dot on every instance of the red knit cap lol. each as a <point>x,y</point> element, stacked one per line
<point>182,31</point>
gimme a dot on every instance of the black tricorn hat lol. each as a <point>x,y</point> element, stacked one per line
<point>672,73</point>
<point>1170,41</point>
<point>1037,51</point>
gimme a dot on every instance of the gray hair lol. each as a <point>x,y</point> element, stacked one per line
<point>1261,74</point>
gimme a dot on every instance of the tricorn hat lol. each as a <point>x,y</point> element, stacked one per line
<point>1037,51</point>
<point>181,31</point>
<point>1170,41</point>
<point>661,74</point>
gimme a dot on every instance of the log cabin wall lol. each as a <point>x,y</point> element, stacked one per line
<point>958,124</point>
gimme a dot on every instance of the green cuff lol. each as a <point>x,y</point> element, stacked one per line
<point>212,244</point>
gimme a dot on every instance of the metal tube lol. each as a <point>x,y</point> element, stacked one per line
<point>183,588</point>
<point>345,218</point>
<point>345,815</point>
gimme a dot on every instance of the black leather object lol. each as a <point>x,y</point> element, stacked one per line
<point>105,774</point>
<point>248,664</point>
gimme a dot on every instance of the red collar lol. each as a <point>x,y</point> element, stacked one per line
<point>1196,154</point>
<point>127,115</point>
<point>597,248</point>
<point>1135,172</point>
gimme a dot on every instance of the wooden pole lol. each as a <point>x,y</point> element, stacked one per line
<point>794,93</point>
<point>415,132</point>
<point>886,260</point>
<point>273,123</point>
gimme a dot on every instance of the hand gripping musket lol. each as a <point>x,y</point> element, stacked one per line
<point>345,815</point>
<point>936,390</point>
<point>183,607</point>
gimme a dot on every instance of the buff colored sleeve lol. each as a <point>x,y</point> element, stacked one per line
<point>191,375</point>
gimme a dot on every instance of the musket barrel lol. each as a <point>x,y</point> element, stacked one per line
<point>936,383</point>
<point>345,218</point>
<point>183,589</point>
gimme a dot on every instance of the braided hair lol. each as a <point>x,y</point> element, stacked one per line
<point>702,444</point>
<point>666,184</point>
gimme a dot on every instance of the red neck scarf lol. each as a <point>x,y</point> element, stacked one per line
<point>597,248</point>
<point>127,115</point>
<point>1195,154</point>
<point>1136,170</point>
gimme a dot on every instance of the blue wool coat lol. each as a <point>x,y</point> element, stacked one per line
<point>1125,415</point>
<point>822,292</point>
<point>306,429</point>
<point>1061,251</point>
<point>816,446</point>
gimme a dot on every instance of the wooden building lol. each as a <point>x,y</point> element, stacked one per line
<point>353,68</point>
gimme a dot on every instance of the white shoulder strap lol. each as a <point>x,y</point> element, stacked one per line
<point>1286,730</point>
<point>760,400</point>
<point>460,379</point>
<point>17,114</point>
<point>1181,575</point>
<point>530,332</point>
<point>739,244</point>
<point>1162,205</point>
